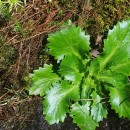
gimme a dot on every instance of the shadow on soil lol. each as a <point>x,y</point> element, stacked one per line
<point>33,119</point>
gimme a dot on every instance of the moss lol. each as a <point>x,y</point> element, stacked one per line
<point>105,14</point>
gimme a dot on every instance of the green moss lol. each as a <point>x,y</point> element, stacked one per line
<point>105,14</point>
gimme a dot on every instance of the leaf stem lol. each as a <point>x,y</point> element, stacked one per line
<point>103,64</point>
<point>90,99</point>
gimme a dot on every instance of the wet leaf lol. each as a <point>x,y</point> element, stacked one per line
<point>72,68</point>
<point>80,77</point>
<point>98,109</point>
<point>57,101</point>
<point>120,100</point>
<point>81,116</point>
<point>69,41</point>
<point>123,68</point>
<point>42,80</point>
<point>115,79</point>
<point>116,46</point>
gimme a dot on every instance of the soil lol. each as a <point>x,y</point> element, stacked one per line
<point>23,38</point>
<point>27,115</point>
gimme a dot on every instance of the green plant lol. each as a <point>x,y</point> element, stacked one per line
<point>12,4</point>
<point>7,54</point>
<point>81,85</point>
<point>18,27</point>
<point>4,11</point>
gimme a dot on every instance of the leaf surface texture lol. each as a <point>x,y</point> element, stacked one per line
<point>57,101</point>
<point>42,80</point>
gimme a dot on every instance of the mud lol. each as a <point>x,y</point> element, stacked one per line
<point>33,119</point>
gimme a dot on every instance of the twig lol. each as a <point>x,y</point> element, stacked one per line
<point>3,95</point>
<point>10,39</point>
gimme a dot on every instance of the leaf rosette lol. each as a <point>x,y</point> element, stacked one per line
<point>80,84</point>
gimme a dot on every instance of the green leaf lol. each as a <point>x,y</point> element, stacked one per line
<point>57,101</point>
<point>98,109</point>
<point>72,68</point>
<point>87,87</point>
<point>69,41</point>
<point>67,23</point>
<point>88,82</point>
<point>116,46</point>
<point>42,80</point>
<point>81,116</point>
<point>120,100</point>
<point>80,77</point>
<point>115,79</point>
<point>123,68</point>
<point>94,67</point>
